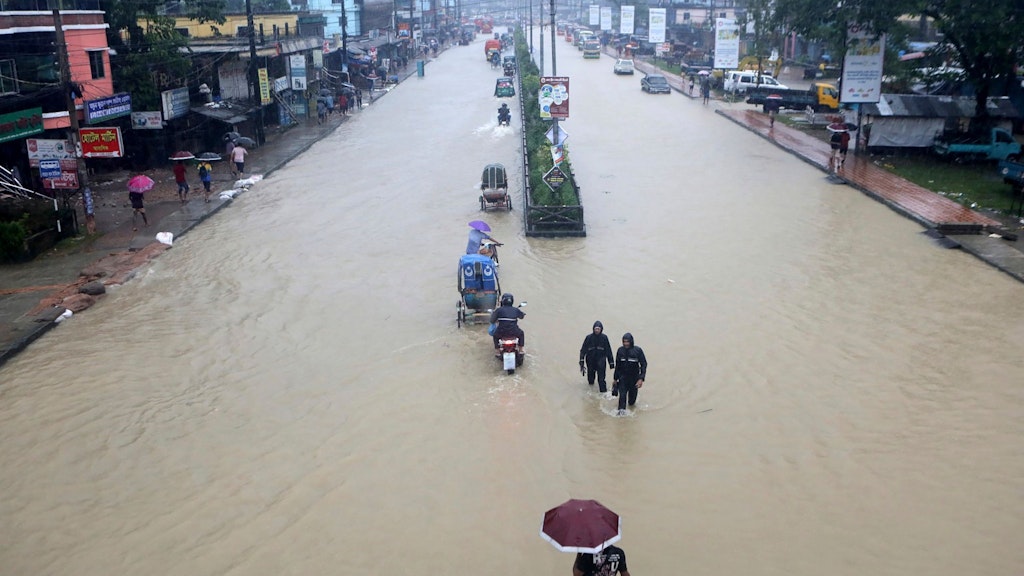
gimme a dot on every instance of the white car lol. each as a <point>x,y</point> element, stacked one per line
<point>623,66</point>
<point>738,81</point>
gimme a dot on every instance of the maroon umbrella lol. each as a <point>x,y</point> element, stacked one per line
<point>581,526</point>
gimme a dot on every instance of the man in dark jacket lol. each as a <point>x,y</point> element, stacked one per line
<point>595,350</point>
<point>630,371</point>
<point>507,318</point>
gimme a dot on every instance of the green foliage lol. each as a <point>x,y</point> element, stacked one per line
<point>12,239</point>
<point>147,43</point>
<point>537,145</point>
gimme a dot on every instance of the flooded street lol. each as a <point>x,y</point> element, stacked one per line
<point>285,391</point>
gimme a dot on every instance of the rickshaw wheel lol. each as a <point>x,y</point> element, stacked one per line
<point>460,314</point>
<point>483,206</point>
<point>508,201</point>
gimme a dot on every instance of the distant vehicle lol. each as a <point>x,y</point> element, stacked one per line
<point>996,144</point>
<point>655,84</point>
<point>739,81</point>
<point>623,66</point>
<point>591,48</point>
<point>582,36</point>
<point>820,97</point>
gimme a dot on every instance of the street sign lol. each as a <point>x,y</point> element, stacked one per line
<point>562,135</point>
<point>555,178</point>
<point>49,168</point>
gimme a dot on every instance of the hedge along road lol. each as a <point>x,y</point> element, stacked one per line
<point>285,391</point>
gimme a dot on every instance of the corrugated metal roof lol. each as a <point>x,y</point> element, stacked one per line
<point>917,106</point>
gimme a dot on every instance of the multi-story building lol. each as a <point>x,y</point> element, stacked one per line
<point>33,102</point>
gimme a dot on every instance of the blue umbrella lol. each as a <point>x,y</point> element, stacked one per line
<point>480,225</point>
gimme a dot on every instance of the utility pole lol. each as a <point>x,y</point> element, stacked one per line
<point>254,83</point>
<point>69,101</point>
<point>344,39</point>
<point>554,72</point>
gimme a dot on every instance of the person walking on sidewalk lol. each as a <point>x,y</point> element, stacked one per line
<point>630,371</point>
<point>359,98</point>
<point>238,155</point>
<point>137,208</point>
<point>595,350</point>
<point>205,176</point>
<point>179,177</point>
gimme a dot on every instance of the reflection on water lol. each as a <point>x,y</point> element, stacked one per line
<point>286,391</point>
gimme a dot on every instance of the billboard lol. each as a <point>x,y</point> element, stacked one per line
<point>20,124</point>
<point>297,63</point>
<point>595,14</point>
<point>554,97</point>
<point>175,103</point>
<point>606,17</point>
<point>103,109</point>
<point>150,120</point>
<point>656,32</point>
<point>727,44</point>
<point>626,19</point>
<point>48,150</point>
<point>862,66</point>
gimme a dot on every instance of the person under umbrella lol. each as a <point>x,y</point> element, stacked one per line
<point>137,186</point>
<point>478,230</point>
<point>607,562</point>
<point>589,529</point>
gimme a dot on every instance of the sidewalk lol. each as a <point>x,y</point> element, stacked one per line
<point>992,240</point>
<point>34,294</point>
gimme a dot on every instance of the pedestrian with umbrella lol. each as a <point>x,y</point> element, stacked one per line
<point>179,158</point>
<point>137,186</point>
<point>589,529</point>
<point>206,172</point>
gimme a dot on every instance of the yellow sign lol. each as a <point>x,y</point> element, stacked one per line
<point>264,85</point>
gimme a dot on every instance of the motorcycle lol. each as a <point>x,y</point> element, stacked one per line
<point>504,119</point>
<point>510,352</point>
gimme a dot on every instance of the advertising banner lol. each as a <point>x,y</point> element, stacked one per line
<point>727,44</point>
<point>147,120</point>
<point>595,14</point>
<point>626,19</point>
<point>65,177</point>
<point>862,66</point>
<point>48,150</point>
<point>101,142</point>
<point>554,97</point>
<point>297,63</point>
<point>264,79</point>
<point>103,109</point>
<point>175,103</point>
<point>606,17</point>
<point>20,124</point>
<point>657,28</point>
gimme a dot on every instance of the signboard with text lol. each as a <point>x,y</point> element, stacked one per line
<point>727,44</point>
<point>297,63</point>
<point>101,142</point>
<point>626,19</point>
<point>175,103</point>
<point>554,178</point>
<point>554,97</point>
<point>47,150</point>
<point>862,66</point>
<point>264,78</point>
<point>20,124</point>
<point>103,109</point>
<point>65,177</point>
<point>147,120</point>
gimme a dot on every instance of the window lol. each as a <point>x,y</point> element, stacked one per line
<point>96,64</point>
<point>242,32</point>
<point>8,77</point>
<point>182,31</point>
<point>686,16</point>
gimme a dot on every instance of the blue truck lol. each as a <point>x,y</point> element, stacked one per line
<point>996,144</point>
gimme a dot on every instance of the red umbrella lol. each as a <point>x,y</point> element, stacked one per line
<point>182,155</point>
<point>581,526</point>
<point>140,183</point>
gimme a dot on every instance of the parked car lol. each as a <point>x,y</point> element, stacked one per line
<point>655,84</point>
<point>623,66</point>
<point>739,81</point>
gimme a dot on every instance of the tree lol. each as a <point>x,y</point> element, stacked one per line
<point>146,42</point>
<point>983,37</point>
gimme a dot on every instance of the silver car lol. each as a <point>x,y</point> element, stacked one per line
<point>623,66</point>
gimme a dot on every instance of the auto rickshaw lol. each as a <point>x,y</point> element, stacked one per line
<point>504,88</point>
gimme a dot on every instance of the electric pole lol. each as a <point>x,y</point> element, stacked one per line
<point>254,82</point>
<point>69,98</point>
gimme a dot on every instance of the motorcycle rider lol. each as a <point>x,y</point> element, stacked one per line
<point>630,371</point>
<point>595,350</point>
<point>504,114</point>
<point>507,318</point>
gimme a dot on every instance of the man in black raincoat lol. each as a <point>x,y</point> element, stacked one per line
<point>595,350</point>
<point>630,371</point>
